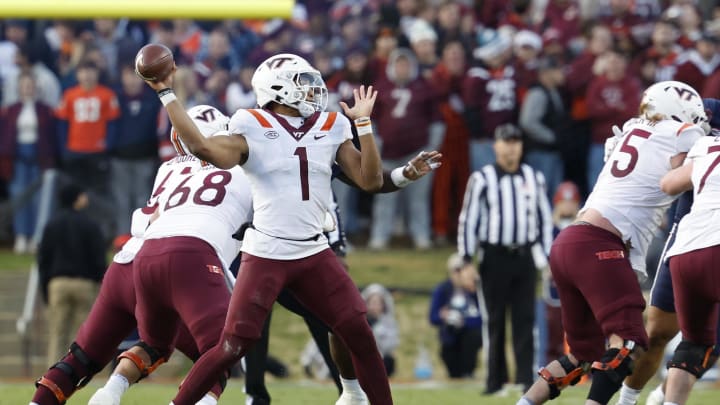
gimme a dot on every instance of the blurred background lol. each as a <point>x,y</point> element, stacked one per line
<point>74,111</point>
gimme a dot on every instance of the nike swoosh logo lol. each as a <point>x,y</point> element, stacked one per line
<point>319,136</point>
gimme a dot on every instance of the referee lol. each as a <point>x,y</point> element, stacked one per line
<point>505,213</point>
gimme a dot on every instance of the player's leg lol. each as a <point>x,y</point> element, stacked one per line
<point>196,277</point>
<point>110,320</point>
<point>156,318</point>
<point>320,333</point>
<point>254,362</point>
<point>618,305</point>
<point>257,286</point>
<point>325,288</point>
<point>337,357</point>
<point>584,337</point>
<point>696,299</point>
<point>351,391</point>
<point>661,326</point>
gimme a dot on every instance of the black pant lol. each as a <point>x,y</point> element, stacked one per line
<point>508,278</point>
<point>460,357</point>
<point>256,358</point>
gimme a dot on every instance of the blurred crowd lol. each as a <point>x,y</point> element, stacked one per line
<point>449,72</point>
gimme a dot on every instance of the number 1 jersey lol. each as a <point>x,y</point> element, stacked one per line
<point>290,168</point>
<point>628,193</point>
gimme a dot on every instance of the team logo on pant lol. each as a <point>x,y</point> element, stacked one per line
<point>214,269</point>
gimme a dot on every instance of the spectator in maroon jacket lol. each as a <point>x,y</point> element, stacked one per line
<point>408,121</point>
<point>711,88</point>
<point>613,98</point>
<point>28,145</point>
<point>629,29</point>
<point>451,177</point>
<point>659,61</point>
<point>490,95</point>
<point>700,63</point>
<point>564,16</point>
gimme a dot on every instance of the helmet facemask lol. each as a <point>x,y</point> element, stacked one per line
<point>310,95</point>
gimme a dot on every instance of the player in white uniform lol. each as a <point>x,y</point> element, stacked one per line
<point>287,149</point>
<point>186,251</point>
<point>694,268</point>
<point>594,261</point>
<point>112,316</point>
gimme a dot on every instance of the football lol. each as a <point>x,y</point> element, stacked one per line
<point>154,62</point>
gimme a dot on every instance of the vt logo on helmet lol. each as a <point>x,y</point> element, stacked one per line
<point>290,80</point>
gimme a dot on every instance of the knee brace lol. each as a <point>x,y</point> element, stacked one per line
<point>693,358</point>
<point>156,359</point>
<point>573,374</point>
<point>78,381</point>
<point>610,371</point>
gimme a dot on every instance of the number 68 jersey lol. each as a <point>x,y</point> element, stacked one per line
<point>199,200</point>
<point>290,167</point>
<point>698,229</point>
<point>628,193</point>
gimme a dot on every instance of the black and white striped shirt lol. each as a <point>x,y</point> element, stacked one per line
<point>504,209</point>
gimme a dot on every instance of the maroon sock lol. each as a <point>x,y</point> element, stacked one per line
<point>43,395</point>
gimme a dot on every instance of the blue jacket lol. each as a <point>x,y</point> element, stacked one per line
<point>470,309</point>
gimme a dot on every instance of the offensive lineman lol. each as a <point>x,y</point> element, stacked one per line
<point>112,317</point>
<point>592,261</point>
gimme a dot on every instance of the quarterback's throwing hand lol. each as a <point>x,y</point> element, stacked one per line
<point>364,102</point>
<point>165,83</point>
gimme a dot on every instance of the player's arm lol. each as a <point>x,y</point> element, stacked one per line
<point>363,167</point>
<point>224,152</point>
<point>677,180</point>
<point>398,178</point>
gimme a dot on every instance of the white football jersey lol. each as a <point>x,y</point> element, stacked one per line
<point>210,204</point>
<point>628,193</point>
<point>174,170</point>
<point>698,229</point>
<point>290,168</point>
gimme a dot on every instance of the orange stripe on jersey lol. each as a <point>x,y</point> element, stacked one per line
<point>176,142</point>
<point>330,121</point>
<point>262,120</point>
<point>682,128</point>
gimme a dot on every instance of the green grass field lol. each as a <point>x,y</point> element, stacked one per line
<point>304,393</point>
<point>413,274</point>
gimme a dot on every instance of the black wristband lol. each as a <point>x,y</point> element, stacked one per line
<point>166,90</point>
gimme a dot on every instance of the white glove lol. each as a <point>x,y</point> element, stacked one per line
<point>612,142</point>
